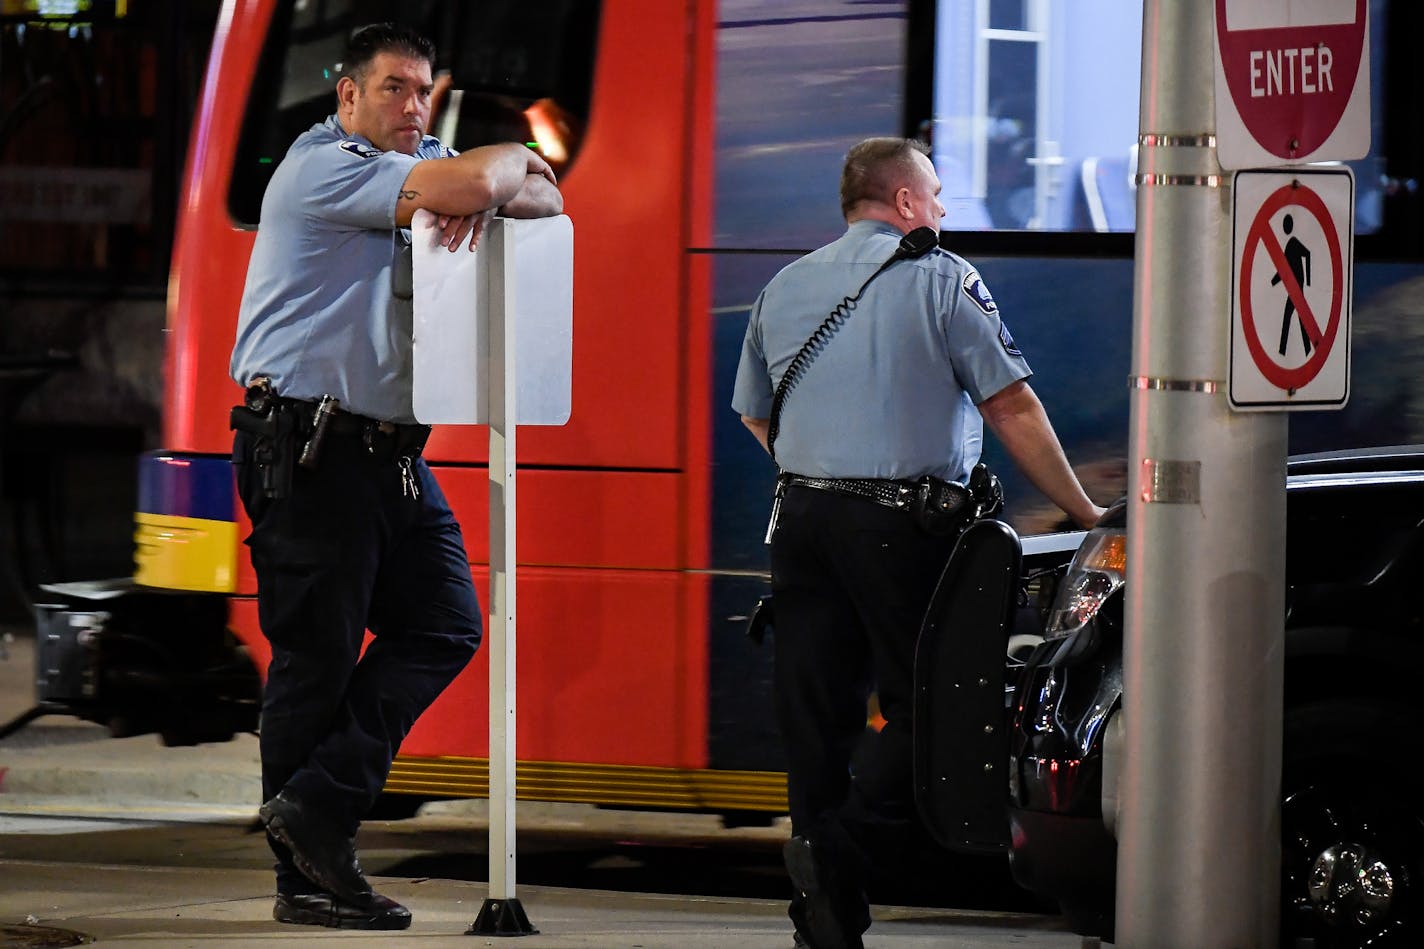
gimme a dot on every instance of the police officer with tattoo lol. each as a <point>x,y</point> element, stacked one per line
<point>350,531</point>
<point>868,370</point>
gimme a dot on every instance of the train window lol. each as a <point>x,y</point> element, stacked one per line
<point>1008,14</point>
<point>506,70</point>
<point>1033,121</point>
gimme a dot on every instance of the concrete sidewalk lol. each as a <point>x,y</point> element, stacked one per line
<point>170,907</point>
<point>64,778</point>
<point>61,758</point>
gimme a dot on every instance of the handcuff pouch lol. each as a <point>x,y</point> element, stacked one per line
<point>941,507</point>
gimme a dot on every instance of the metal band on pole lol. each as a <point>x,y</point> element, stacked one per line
<point>1175,181</point>
<point>1170,140</point>
<point>1208,386</point>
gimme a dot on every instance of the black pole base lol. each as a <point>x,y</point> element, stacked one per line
<point>501,918</point>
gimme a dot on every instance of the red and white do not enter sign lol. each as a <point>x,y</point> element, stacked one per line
<point>1292,257</point>
<point>1292,81</point>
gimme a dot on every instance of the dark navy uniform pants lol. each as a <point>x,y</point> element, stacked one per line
<point>851,580</point>
<point>347,550</point>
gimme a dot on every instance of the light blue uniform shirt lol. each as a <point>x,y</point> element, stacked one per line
<point>327,307</point>
<point>893,394</point>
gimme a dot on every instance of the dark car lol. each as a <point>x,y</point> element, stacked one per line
<point>1352,811</point>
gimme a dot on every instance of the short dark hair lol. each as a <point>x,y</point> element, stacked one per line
<point>376,38</point>
<point>873,166</point>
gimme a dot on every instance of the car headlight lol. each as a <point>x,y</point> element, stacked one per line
<point>1097,571</point>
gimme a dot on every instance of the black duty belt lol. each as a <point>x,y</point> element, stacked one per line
<point>407,437</point>
<point>896,494</point>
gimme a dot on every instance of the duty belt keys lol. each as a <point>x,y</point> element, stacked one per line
<point>409,486</point>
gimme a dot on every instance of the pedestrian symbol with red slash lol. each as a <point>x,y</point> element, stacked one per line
<point>1292,262</point>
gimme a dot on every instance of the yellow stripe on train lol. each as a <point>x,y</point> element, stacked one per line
<point>185,553</point>
<point>698,789</point>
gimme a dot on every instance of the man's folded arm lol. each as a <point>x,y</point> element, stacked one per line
<point>477,180</point>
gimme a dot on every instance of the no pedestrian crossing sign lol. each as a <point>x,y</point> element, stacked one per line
<point>1292,252</point>
<point>1292,81</point>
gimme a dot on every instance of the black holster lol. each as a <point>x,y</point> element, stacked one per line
<point>274,444</point>
<point>986,491</point>
<point>944,507</point>
<point>940,507</point>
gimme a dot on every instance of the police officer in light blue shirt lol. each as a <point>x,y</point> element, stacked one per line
<point>869,366</point>
<point>327,309</point>
<point>928,337</point>
<point>349,529</point>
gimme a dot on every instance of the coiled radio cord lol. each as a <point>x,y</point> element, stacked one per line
<point>916,243</point>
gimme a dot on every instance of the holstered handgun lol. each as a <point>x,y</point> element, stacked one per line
<point>986,491</point>
<point>272,428</point>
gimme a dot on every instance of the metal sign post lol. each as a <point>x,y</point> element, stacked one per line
<point>1198,828</point>
<point>478,371</point>
<point>1230,84</point>
<point>502,914</point>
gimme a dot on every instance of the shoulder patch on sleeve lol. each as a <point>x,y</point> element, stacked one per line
<point>1007,339</point>
<point>360,150</point>
<point>974,289</point>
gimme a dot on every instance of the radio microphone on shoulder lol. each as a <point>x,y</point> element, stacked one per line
<point>917,243</point>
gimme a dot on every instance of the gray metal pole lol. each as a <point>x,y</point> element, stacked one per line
<point>1198,831</point>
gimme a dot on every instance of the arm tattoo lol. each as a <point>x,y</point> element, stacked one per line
<point>409,195</point>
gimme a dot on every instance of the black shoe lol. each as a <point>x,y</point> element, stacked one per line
<point>323,909</point>
<point>826,903</point>
<point>324,854</point>
<point>799,921</point>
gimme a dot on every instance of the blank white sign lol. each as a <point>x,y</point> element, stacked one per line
<point>452,305</point>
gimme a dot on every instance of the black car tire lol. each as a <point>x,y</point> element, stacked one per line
<point>1351,802</point>
<point>1343,782</point>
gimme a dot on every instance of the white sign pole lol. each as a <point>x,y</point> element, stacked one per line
<point>465,374</point>
<point>501,913</point>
